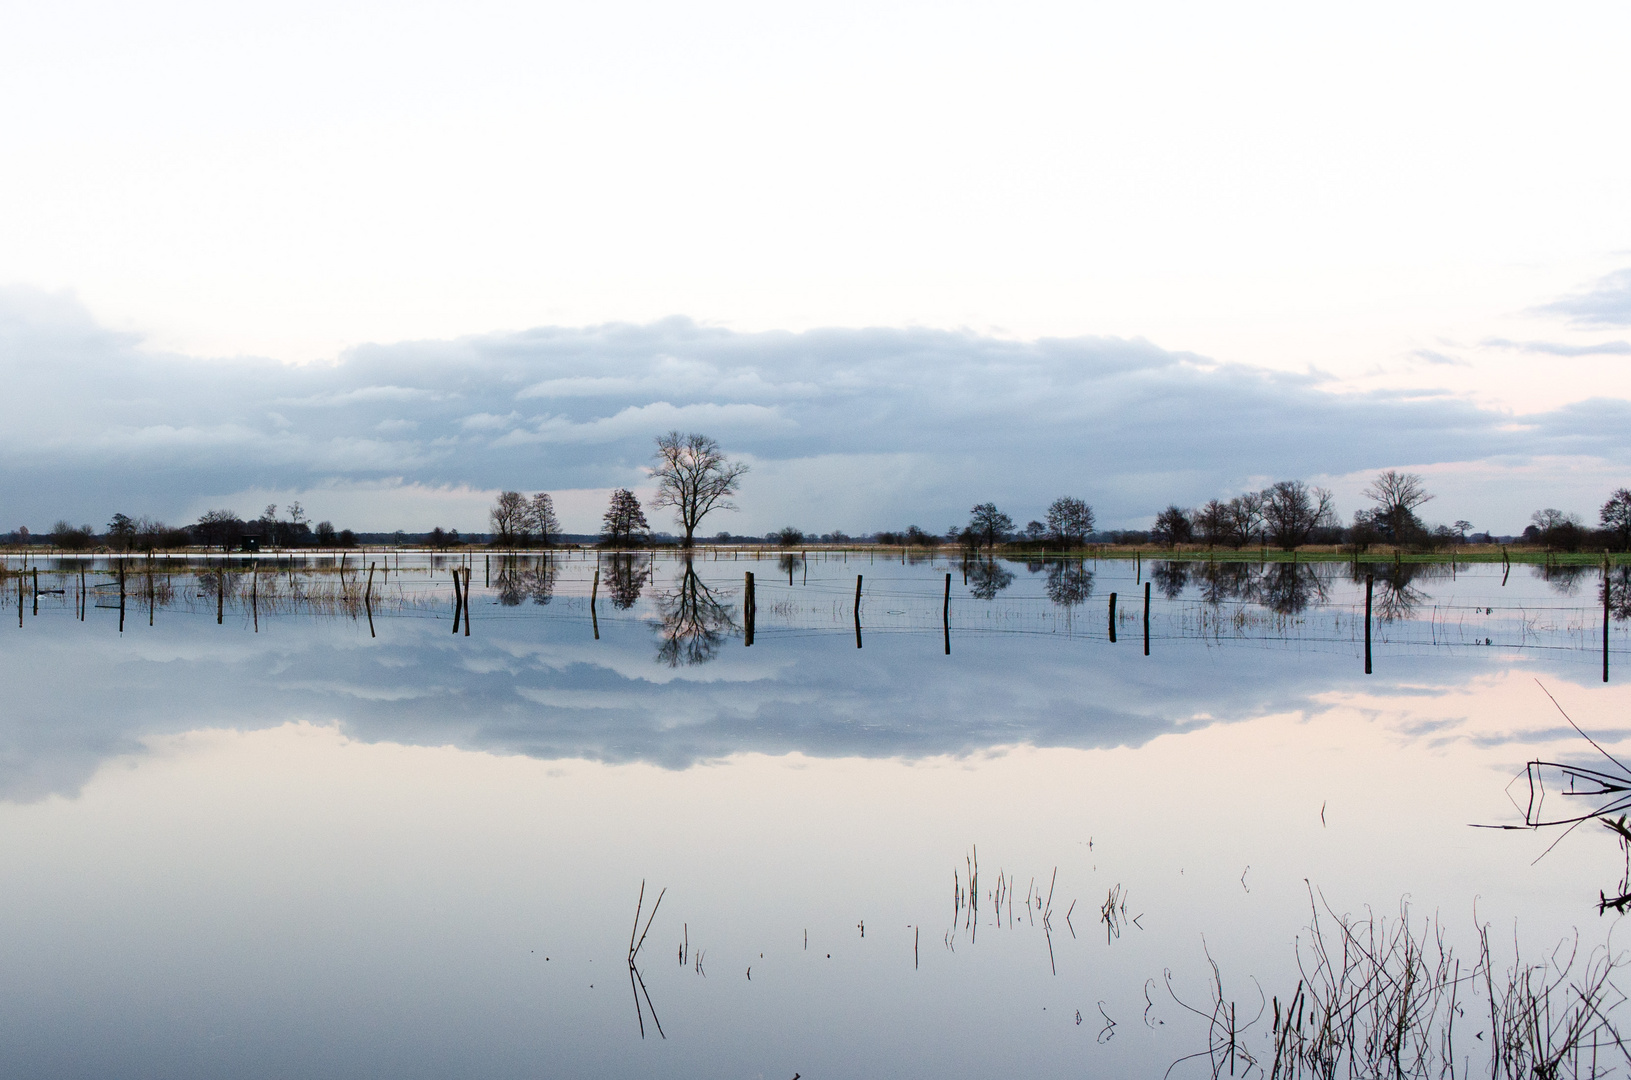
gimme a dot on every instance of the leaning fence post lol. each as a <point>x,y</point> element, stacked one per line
<point>857,611</point>
<point>945,613</point>
<point>458,602</point>
<point>1112,618</point>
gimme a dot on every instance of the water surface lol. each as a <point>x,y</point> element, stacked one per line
<point>250,834</point>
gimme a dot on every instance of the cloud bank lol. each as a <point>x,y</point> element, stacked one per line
<point>845,428</point>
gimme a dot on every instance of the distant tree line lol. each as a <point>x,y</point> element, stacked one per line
<point>695,478</point>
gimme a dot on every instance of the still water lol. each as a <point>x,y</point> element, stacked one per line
<point>267,828</point>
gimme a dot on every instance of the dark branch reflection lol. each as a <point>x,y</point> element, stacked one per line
<point>1565,580</point>
<point>1170,578</point>
<point>626,577</point>
<point>1227,581</point>
<point>1069,583</point>
<point>1396,595</point>
<point>1619,593</point>
<point>693,624</point>
<point>1289,588</point>
<point>520,579</point>
<point>987,579</point>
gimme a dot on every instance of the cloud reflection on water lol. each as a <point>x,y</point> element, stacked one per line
<point>664,684</point>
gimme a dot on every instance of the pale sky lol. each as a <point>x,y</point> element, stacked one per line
<point>1397,198</point>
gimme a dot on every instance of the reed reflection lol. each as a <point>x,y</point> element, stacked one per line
<point>692,623</point>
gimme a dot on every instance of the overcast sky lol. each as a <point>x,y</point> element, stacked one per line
<point>389,258</point>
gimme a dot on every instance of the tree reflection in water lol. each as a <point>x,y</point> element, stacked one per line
<point>789,564</point>
<point>1223,581</point>
<point>1069,583</point>
<point>1395,596</point>
<point>1565,579</point>
<point>1619,593</point>
<point>693,625</point>
<point>987,579</point>
<point>1170,578</point>
<point>523,579</point>
<point>1288,588</point>
<point>626,577</point>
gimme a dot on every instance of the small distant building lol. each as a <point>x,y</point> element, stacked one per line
<point>249,544</point>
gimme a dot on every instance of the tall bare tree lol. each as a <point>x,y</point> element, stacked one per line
<point>1396,495</point>
<point>1246,515</point>
<point>540,519</point>
<point>1616,517</point>
<point>1173,526</point>
<point>1292,511</point>
<point>694,477</point>
<point>509,518</point>
<point>1070,521</point>
<point>989,524</point>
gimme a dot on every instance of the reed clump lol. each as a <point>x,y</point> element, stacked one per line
<point>1380,997</point>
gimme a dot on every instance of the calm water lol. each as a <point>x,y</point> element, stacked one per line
<point>282,844</point>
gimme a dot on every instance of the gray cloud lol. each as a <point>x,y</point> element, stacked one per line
<point>1606,302</point>
<point>856,429</point>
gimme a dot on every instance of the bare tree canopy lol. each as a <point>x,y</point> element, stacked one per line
<point>694,477</point>
<point>1615,516</point>
<point>540,518</point>
<point>623,518</point>
<point>988,524</point>
<point>508,516</point>
<point>1292,511</point>
<point>1172,526</point>
<point>1070,521</point>
<point>1396,495</point>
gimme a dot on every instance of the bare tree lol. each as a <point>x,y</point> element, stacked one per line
<point>989,524</point>
<point>1396,495</point>
<point>694,477</point>
<point>540,518</point>
<point>623,518</point>
<point>1172,526</point>
<point>1213,522</point>
<point>509,517</point>
<point>1292,511</point>
<point>1070,521</point>
<point>219,527</point>
<point>1246,515</point>
<point>1615,516</point>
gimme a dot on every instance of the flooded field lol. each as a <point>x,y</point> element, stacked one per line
<point>279,816</point>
